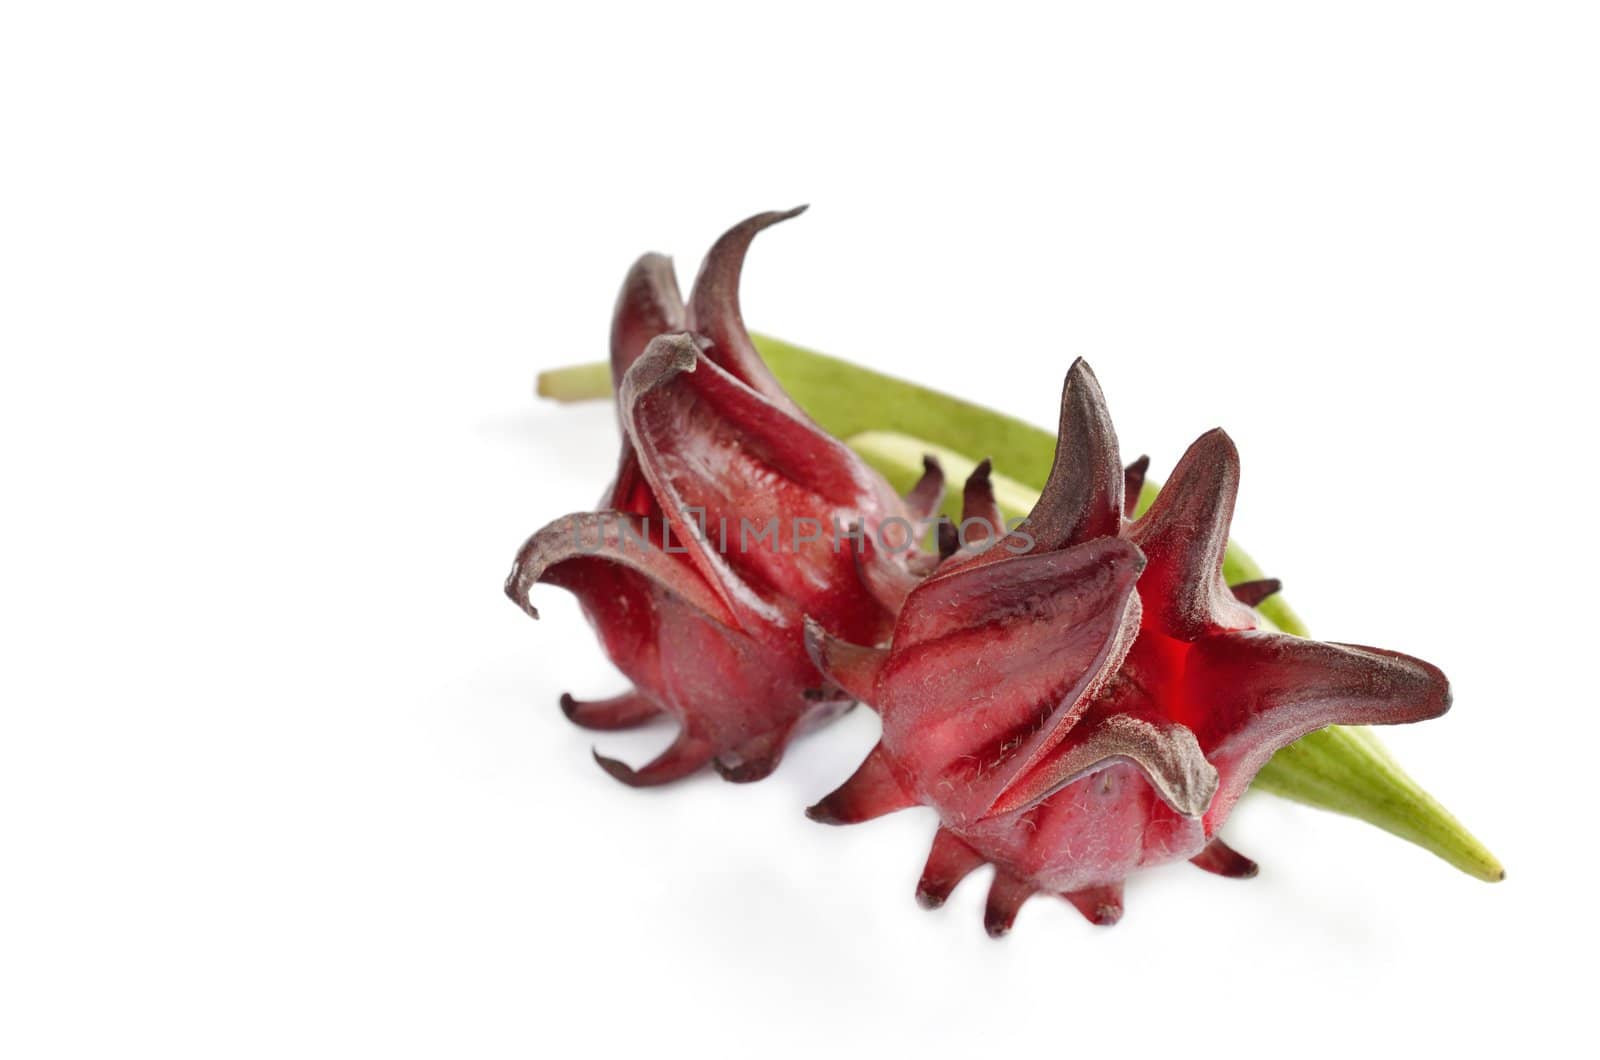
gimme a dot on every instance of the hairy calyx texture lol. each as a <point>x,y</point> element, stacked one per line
<point>1077,697</point>
<point>711,631</point>
<point>1098,704</point>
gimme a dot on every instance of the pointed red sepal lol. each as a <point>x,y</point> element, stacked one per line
<point>1253,593</point>
<point>1006,895</point>
<point>871,791</point>
<point>571,551</point>
<point>1117,730</point>
<point>1133,484</point>
<point>1184,535</point>
<point>648,305</point>
<point>753,760</point>
<point>851,667</point>
<point>758,497</point>
<point>887,577</point>
<point>1064,741</point>
<point>980,515</point>
<point>1222,860</point>
<point>686,755</point>
<point>702,613</point>
<point>1100,905</point>
<point>714,308</point>
<point>949,862</point>
<point>927,495</point>
<point>991,665</point>
<point>1270,689</point>
<point>1082,498</point>
<point>627,711</point>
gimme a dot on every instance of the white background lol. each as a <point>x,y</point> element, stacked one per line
<point>282,772</point>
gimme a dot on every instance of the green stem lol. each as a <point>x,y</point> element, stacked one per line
<point>1347,770</point>
<point>892,423</point>
<point>576,382</point>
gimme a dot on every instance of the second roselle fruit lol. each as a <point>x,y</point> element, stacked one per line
<point>1086,697</point>
<point>719,535</point>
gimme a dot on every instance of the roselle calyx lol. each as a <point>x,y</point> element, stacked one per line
<point>1096,702</point>
<point>708,625</point>
<point>894,424</point>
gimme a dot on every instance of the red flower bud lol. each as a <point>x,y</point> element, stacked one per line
<point>728,522</point>
<point>1084,696</point>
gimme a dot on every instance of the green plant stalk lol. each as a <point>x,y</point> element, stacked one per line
<point>892,423</point>
<point>578,382</point>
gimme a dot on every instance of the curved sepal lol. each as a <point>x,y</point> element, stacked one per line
<point>648,305</point>
<point>980,515</point>
<point>754,759</point>
<point>569,552</point>
<point>872,791</point>
<point>714,308</point>
<point>1266,690</point>
<point>1007,893</point>
<point>1252,593</point>
<point>1220,859</point>
<point>949,862</point>
<point>888,578</point>
<point>852,667</point>
<point>923,502</point>
<point>1166,752</point>
<point>992,664</point>
<point>1082,497</point>
<point>756,495</point>
<point>1184,535</point>
<point>687,755</point>
<point>1133,484</point>
<point>627,711</point>
<point>1101,906</point>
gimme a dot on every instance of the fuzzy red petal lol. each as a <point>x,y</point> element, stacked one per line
<point>1082,498</point>
<point>735,697</point>
<point>889,578</point>
<point>992,665</point>
<point>576,548</point>
<point>1133,484</point>
<point>648,305</point>
<point>705,622</point>
<point>1015,705</point>
<point>714,309</point>
<point>1269,689</point>
<point>726,465</point>
<point>949,862</point>
<point>873,790</point>
<point>980,514</point>
<point>1222,860</point>
<point>1184,536</point>
<point>925,497</point>
<point>1122,728</point>
<point>627,711</point>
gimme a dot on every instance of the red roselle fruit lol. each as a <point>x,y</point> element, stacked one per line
<point>1084,696</point>
<point>720,533</point>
